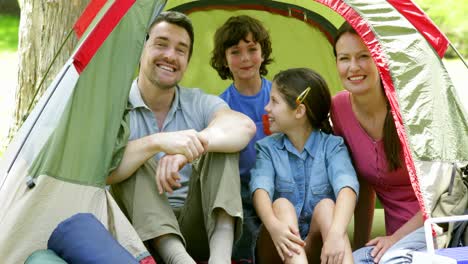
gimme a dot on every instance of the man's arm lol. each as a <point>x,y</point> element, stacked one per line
<point>186,142</point>
<point>228,131</point>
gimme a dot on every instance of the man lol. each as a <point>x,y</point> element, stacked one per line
<point>183,143</point>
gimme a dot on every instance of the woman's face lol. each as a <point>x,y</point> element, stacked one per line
<point>244,59</point>
<point>357,70</point>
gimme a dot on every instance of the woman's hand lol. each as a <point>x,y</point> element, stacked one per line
<point>286,239</point>
<point>333,249</point>
<point>381,245</point>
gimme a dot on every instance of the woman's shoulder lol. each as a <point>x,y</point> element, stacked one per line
<point>341,113</point>
<point>341,98</point>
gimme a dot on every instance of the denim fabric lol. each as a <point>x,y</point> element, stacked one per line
<point>400,252</point>
<point>320,171</point>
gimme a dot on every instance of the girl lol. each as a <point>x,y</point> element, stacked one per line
<point>304,186</point>
<point>242,50</point>
<point>361,115</point>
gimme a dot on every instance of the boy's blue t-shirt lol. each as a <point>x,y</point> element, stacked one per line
<point>254,107</point>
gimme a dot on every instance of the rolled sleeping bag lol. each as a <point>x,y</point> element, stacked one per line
<point>83,239</point>
<point>44,256</point>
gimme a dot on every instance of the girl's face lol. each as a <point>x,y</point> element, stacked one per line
<point>357,70</point>
<point>280,116</point>
<point>244,59</point>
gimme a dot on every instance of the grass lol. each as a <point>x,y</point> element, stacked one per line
<point>8,73</point>
<point>8,33</point>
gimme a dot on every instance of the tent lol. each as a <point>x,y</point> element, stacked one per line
<point>57,163</point>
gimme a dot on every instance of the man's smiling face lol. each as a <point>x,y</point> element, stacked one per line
<point>165,55</point>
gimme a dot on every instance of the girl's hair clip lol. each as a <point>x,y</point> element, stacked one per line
<point>302,96</point>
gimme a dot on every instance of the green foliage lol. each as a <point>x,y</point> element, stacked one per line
<point>9,33</point>
<point>450,17</point>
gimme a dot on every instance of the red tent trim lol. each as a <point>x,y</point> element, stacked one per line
<point>372,43</point>
<point>87,17</point>
<point>102,30</point>
<point>423,24</point>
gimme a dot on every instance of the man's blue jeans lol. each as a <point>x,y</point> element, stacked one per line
<point>400,252</point>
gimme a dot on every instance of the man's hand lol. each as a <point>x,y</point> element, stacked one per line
<point>381,245</point>
<point>189,143</point>
<point>167,173</point>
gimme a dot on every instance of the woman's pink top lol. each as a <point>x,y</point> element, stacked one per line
<point>393,188</point>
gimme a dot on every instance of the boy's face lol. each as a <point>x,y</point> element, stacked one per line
<point>244,59</point>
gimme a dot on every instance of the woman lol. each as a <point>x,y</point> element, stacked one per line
<point>361,115</point>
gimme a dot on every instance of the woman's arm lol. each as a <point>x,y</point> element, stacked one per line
<point>414,223</point>
<point>382,244</point>
<point>363,214</point>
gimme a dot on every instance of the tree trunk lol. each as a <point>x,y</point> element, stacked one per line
<point>43,27</point>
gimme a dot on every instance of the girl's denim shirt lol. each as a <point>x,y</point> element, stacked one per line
<point>320,171</point>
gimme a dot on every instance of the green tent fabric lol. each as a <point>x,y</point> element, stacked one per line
<point>77,151</point>
<point>76,132</point>
<point>67,144</point>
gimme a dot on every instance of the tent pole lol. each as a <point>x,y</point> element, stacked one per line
<point>33,124</point>
<point>459,54</point>
<point>45,76</point>
<point>25,116</point>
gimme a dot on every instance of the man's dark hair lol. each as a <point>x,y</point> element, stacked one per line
<point>178,19</point>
